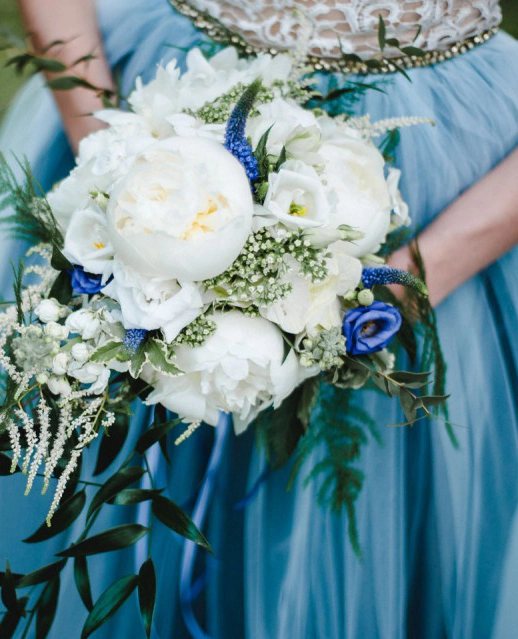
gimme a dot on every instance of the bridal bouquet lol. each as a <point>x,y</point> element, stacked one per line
<point>215,249</point>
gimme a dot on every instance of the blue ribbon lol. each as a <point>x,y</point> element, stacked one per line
<point>188,589</point>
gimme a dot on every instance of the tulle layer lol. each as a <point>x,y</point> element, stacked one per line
<point>435,523</point>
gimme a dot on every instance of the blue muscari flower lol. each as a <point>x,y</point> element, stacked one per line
<point>134,338</point>
<point>83,282</point>
<point>385,275</point>
<point>235,140</point>
<point>369,329</point>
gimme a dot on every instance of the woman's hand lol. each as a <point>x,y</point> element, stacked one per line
<point>474,231</point>
<point>74,24</point>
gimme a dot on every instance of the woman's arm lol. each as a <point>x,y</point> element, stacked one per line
<point>474,231</point>
<point>75,23</point>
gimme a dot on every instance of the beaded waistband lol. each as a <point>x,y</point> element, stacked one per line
<point>348,64</point>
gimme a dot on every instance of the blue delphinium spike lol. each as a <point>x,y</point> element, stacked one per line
<point>134,338</point>
<point>385,275</point>
<point>235,140</point>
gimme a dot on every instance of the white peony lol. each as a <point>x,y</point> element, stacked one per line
<point>87,242</point>
<point>184,211</point>
<point>296,196</point>
<point>239,369</point>
<point>153,303</point>
<point>309,307</point>
<point>357,191</point>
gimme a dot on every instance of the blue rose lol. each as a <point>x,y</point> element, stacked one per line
<point>369,329</point>
<point>83,282</point>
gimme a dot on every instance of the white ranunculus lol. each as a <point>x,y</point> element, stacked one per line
<point>81,352</point>
<point>84,323</point>
<point>184,211</point>
<point>290,125</point>
<point>87,242</point>
<point>93,373</point>
<point>296,196</point>
<point>60,363</point>
<point>309,306</point>
<point>48,310</point>
<point>239,369</point>
<point>400,216</point>
<point>357,191</point>
<point>154,303</point>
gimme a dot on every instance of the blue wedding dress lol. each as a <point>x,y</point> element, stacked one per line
<point>438,526</point>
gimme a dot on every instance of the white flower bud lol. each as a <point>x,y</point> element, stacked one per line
<point>42,378</point>
<point>60,363</point>
<point>365,297</point>
<point>56,331</point>
<point>80,352</point>
<point>48,311</point>
<point>59,386</point>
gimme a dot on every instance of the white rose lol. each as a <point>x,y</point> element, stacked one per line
<point>59,386</point>
<point>184,211</point>
<point>239,369</point>
<point>56,331</point>
<point>153,303</point>
<point>290,125</point>
<point>97,375</point>
<point>84,323</point>
<point>87,242</point>
<point>309,306</point>
<point>296,196</point>
<point>60,363</point>
<point>357,191</point>
<point>48,311</point>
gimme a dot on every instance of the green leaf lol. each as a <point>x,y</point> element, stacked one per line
<point>433,400</point>
<point>64,516</point>
<point>308,398</point>
<point>382,32</point>
<point>47,608</point>
<point>135,496</point>
<point>49,64</point>
<point>41,575</point>
<point>5,465</point>
<point>157,357</point>
<point>407,404</point>
<point>117,482</point>
<point>147,594</point>
<point>109,351</point>
<point>108,603</point>
<point>82,579</point>
<point>177,519</point>
<point>9,598</point>
<point>68,82</point>
<point>107,541</point>
<point>407,377</point>
<point>58,261</point>
<point>281,160</point>
<point>62,288</point>
<point>413,51</point>
<point>153,435</point>
<point>111,443</point>
<point>9,624</point>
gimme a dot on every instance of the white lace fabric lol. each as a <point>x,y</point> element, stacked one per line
<point>351,26</point>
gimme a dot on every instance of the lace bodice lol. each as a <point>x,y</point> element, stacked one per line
<point>352,24</point>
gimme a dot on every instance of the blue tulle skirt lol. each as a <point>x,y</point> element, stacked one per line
<point>438,526</point>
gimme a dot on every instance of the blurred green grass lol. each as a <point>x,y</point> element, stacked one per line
<point>9,19</point>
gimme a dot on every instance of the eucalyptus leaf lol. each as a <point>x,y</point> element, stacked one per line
<point>108,603</point>
<point>41,575</point>
<point>82,580</point>
<point>107,541</point>
<point>382,31</point>
<point>117,482</point>
<point>177,519</point>
<point>64,516</point>
<point>407,404</point>
<point>147,594</point>
<point>47,608</point>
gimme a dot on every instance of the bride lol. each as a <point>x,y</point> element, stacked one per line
<point>438,525</point>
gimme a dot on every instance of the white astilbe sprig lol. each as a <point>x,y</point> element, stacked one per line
<point>14,440</point>
<point>42,447</point>
<point>370,129</point>
<point>30,434</point>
